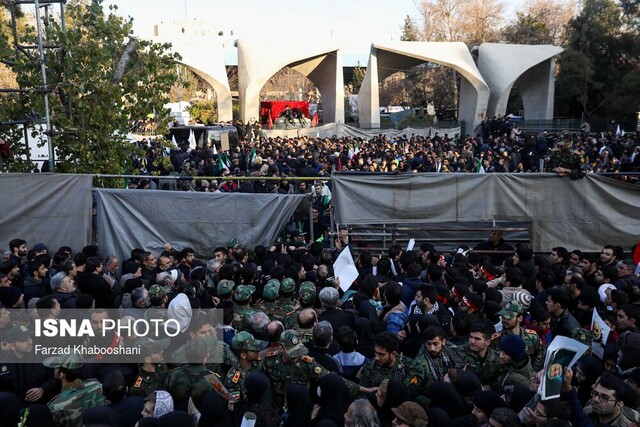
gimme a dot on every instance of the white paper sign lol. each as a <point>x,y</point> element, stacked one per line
<point>345,269</point>
<point>249,419</point>
<point>411,244</point>
<point>562,352</point>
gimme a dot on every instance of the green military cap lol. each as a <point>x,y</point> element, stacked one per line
<point>288,285</point>
<point>67,361</point>
<point>148,346</point>
<point>293,344</point>
<point>275,282</point>
<point>245,341</point>
<point>18,333</point>
<point>271,290</point>
<point>307,292</point>
<point>157,291</point>
<point>583,335</point>
<point>244,292</point>
<point>511,309</point>
<point>225,286</point>
<point>233,243</point>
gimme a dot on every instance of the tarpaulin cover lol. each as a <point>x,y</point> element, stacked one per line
<point>341,130</point>
<point>586,213</point>
<point>54,209</point>
<point>146,219</point>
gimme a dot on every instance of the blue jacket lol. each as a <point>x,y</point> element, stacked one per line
<point>409,286</point>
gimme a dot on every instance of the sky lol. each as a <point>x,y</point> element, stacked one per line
<point>353,23</point>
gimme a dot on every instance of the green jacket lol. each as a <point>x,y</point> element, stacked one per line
<point>517,373</point>
<point>487,369</point>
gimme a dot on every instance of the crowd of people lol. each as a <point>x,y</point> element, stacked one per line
<point>420,338</point>
<point>498,147</point>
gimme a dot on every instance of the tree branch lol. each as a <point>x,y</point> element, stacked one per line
<point>124,60</point>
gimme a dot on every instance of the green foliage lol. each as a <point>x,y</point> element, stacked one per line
<point>88,102</point>
<point>204,111</point>
<point>598,71</point>
<point>358,77</point>
<point>410,32</point>
<point>527,29</point>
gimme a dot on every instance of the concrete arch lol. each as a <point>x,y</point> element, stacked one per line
<point>530,66</point>
<point>208,63</point>
<point>258,62</point>
<point>386,58</point>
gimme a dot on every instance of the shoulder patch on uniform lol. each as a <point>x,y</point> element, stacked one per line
<point>414,380</point>
<point>138,381</point>
<point>272,353</point>
<point>531,331</point>
<point>306,358</point>
<point>236,377</point>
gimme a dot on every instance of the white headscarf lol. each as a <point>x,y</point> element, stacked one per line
<point>164,404</point>
<point>180,310</point>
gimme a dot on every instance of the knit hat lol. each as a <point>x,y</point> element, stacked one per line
<point>40,247</point>
<point>225,286</point>
<point>244,292</point>
<point>412,414</point>
<point>522,297</point>
<point>488,400</point>
<point>514,346</point>
<point>9,295</point>
<point>288,285</point>
<point>307,293</point>
<point>294,347</point>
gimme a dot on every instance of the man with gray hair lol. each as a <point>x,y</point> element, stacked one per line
<point>258,323</point>
<point>63,290</point>
<point>329,298</point>
<point>361,413</point>
<point>320,347</point>
<point>110,269</point>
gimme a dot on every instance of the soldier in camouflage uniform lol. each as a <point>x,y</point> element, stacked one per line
<point>479,357</point>
<point>565,161</point>
<point>153,372</point>
<point>243,311</point>
<point>159,297</point>
<point>270,296</point>
<point>76,395</point>
<point>307,319</point>
<point>388,364</point>
<point>246,348</point>
<point>306,298</point>
<point>287,302</point>
<point>436,355</point>
<point>191,380</point>
<point>512,315</point>
<point>291,366</point>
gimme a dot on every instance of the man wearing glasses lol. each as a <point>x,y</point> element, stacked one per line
<point>606,406</point>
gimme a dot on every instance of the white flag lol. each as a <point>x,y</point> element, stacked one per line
<point>192,140</point>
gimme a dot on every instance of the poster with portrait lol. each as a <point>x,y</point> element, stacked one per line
<point>562,352</point>
<point>600,331</point>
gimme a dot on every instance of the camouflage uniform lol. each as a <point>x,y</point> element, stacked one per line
<point>271,307</point>
<point>286,303</point>
<point>565,157</point>
<point>291,366</point>
<point>219,355</point>
<point>234,381</point>
<point>76,397</point>
<point>242,313</point>
<point>188,381</point>
<point>404,370</point>
<point>487,369</point>
<point>534,347</point>
<point>146,381</point>
<point>449,357</point>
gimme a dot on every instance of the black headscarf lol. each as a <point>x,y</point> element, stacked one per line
<point>39,416</point>
<point>99,416</point>
<point>298,406</point>
<point>9,408</point>
<point>592,369</point>
<point>258,388</point>
<point>214,411</point>
<point>397,393</point>
<point>175,419</point>
<point>445,396</point>
<point>334,398</point>
<point>438,418</point>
